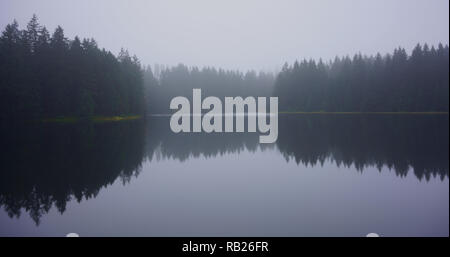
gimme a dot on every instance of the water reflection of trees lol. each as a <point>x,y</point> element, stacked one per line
<point>48,165</point>
<point>401,142</point>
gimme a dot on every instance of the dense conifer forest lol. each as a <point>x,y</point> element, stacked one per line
<point>395,82</point>
<point>45,75</point>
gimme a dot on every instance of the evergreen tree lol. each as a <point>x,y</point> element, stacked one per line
<point>43,76</point>
<point>393,83</point>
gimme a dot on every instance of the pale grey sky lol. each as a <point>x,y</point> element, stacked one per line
<point>241,34</point>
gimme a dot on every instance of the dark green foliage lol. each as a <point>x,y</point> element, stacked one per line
<point>394,83</point>
<point>48,76</point>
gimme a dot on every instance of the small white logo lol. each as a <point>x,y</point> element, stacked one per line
<point>72,235</point>
<point>373,235</point>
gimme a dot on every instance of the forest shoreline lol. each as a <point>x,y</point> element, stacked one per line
<point>53,78</point>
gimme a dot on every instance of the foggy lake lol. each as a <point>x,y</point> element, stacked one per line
<point>327,175</point>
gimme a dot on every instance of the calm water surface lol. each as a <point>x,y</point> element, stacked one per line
<point>327,175</point>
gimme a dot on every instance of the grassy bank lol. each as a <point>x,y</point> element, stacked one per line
<point>92,119</point>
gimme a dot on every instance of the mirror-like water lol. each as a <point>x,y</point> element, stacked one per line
<point>327,175</point>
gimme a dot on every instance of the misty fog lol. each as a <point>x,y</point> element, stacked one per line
<point>233,34</point>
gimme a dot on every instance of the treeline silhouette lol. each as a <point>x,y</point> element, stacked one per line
<point>48,76</point>
<point>180,80</point>
<point>393,83</point>
<point>51,164</point>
